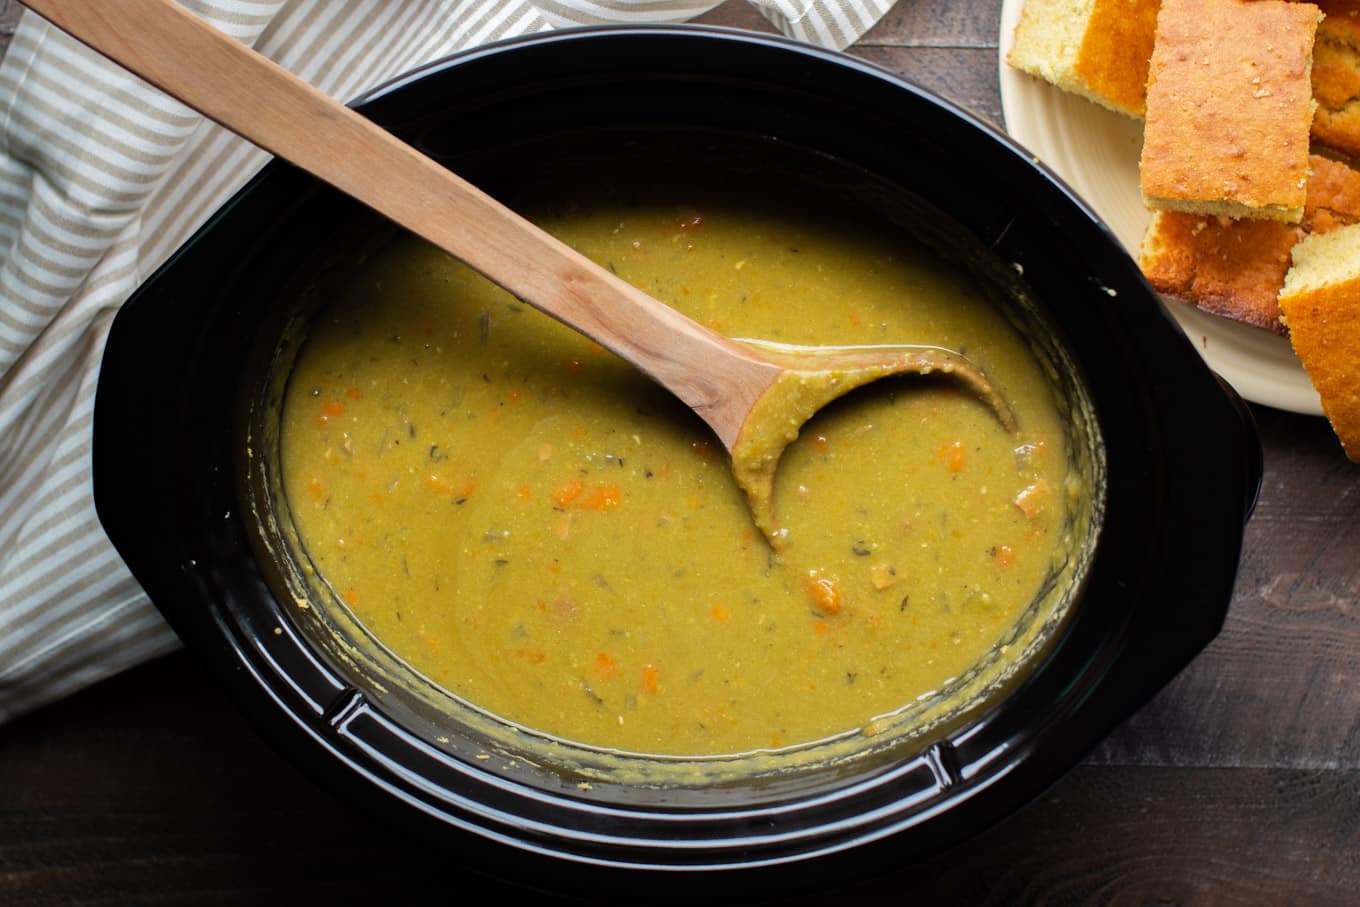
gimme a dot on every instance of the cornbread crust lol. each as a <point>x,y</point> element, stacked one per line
<point>1333,195</point>
<point>1336,77</point>
<point>1099,49</point>
<point>1235,268</point>
<point>1230,268</point>
<point>1321,304</point>
<point>1229,106</point>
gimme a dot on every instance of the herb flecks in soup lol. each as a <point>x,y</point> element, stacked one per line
<point>539,530</point>
<point>797,395</point>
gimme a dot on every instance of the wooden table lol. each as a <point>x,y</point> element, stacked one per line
<point>1239,784</point>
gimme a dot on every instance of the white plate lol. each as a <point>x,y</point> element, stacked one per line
<point>1096,152</point>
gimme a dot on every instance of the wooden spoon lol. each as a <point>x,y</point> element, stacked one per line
<point>754,397</point>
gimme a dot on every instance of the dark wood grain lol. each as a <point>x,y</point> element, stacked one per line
<point>938,24</point>
<point>1239,784</point>
<point>149,789</point>
<point>964,75</point>
<point>1281,684</point>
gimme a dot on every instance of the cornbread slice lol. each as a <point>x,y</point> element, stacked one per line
<point>1099,49</point>
<point>1336,77</point>
<point>1230,268</point>
<point>1321,304</point>
<point>1235,268</point>
<point>1333,195</point>
<point>1229,106</point>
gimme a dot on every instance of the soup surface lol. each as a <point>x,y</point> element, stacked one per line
<point>542,532</point>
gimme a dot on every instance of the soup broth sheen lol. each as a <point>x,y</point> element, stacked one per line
<point>542,532</point>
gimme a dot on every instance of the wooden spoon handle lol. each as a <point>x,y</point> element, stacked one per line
<point>264,103</point>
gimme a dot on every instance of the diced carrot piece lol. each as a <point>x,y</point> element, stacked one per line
<point>826,595</point>
<point>952,456</point>
<point>459,490</point>
<point>605,496</point>
<point>1034,499</point>
<point>565,494</point>
<point>650,682</point>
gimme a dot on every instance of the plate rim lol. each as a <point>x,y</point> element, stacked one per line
<point>1207,332</point>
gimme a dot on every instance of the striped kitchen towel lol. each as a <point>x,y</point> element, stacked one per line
<point>101,178</point>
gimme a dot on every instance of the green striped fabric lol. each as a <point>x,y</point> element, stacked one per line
<point>101,179</point>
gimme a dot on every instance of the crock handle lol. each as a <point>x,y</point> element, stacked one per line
<point>1255,460</point>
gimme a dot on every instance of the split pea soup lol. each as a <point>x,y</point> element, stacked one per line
<point>540,531</point>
